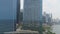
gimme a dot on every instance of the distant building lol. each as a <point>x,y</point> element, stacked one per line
<point>47,18</point>
<point>21,15</point>
<point>32,14</point>
<point>56,21</point>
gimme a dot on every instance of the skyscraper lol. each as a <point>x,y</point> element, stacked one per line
<point>32,12</point>
<point>18,11</point>
<point>8,13</point>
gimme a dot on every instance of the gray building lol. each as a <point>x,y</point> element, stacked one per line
<point>32,14</point>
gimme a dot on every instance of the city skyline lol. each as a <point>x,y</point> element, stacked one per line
<point>49,6</point>
<point>52,6</point>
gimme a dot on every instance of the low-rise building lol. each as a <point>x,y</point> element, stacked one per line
<point>22,32</point>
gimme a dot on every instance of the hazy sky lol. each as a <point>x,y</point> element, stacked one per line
<point>21,1</point>
<point>50,6</point>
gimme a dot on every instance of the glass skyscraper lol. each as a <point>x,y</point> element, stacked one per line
<point>8,15</point>
<point>18,11</point>
<point>32,12</point>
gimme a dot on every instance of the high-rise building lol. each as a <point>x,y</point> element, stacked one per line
<point>18,11</point>
<point>8,13</point>
<point>32,14</point>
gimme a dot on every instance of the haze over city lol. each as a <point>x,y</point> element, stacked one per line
<point>49,6</point>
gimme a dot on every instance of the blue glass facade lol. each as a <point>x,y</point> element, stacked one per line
<point>18,11</point>
<point>8,13</point>
<point>32,11</point>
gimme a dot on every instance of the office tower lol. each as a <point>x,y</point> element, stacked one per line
<point>18,11</point>
<point>8,13</point>
<point>32,14</point>
<point>21,15</point>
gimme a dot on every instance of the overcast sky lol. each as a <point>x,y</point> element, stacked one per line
<point>50,6</point>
